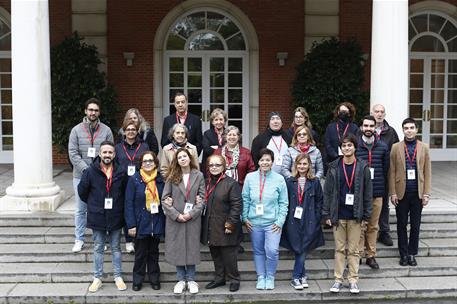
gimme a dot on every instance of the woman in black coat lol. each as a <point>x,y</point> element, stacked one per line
<point>302,230</point>
<point>145,219</point>
<point>212,138</point>
<point>221,223</point>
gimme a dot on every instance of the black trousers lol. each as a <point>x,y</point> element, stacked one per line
<point>410,205</point>
<point>146,257</point>
<point>225,263</point>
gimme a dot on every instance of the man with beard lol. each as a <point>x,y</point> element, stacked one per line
<point>85,138</point>
<point>102,186</point>
<point>389,136</point>
<point>376,154</point>
<point>275,139</point>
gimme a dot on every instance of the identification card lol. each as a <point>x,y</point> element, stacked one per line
<point>188,207</point>
<point>259,209</point>
<point>154,208</point>
<point>278,161</point>
<point>298,212</point>
<point>372,173</point>
<point>130,170</point>
<point>411,174</point>
<point>349,199</point>
<point>91,152</point>
<point>339,151</point>
<point>108,203</point>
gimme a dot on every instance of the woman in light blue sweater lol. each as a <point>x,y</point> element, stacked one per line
<point>265,207</point>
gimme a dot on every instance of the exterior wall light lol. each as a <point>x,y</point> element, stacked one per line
<point>129,56</point>
<point>282,56</point>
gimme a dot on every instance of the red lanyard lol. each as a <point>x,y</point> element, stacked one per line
<point>349,183</point>
<point>369,153</point>
<point>178,120</point>
<point>109,180</point>
<point>411,160</point>
<point>89,136</point>
<point>131,159</point>
<point>280,144</point>
<point>338,130</point>
<point>262,185</point>
<point>188,189</point>
<point>301,193</point>
<point>208,190</point>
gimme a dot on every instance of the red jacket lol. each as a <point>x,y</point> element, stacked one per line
<point>245,163</point>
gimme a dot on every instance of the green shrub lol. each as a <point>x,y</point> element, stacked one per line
<point>74,79</point>
<point>332,72</point>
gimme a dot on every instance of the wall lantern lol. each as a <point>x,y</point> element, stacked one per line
<point>282,56</point>
<point>129,56</point>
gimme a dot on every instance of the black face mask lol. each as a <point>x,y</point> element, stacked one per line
<point>344,116</point>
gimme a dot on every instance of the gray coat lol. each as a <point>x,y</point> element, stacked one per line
<point>289,158</point>
<point>79,143</point>
<point>182,240</point>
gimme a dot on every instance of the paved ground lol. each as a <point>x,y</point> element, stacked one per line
<point>444,185</point>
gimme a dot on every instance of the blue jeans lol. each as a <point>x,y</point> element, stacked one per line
<point>80,213</point>
<point>185,273</point>
<point>100,237</point>
<point>265,245</point>
<point>299,266</point>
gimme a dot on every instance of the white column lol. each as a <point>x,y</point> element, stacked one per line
<point>389,59</point>
<point>33,188</point>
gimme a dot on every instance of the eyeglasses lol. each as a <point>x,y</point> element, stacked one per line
<point>302,134</point>
<point>215,165</point>
<point>148,161</point>
<point>92,110</point>
<point>130,130</point>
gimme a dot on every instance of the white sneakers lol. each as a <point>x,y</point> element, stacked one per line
<point>129,247</point>
<point>179,287</point>
<point>120,283</point>
<point>78,246</point>
<point>192,286</point>
<point>96,284</point>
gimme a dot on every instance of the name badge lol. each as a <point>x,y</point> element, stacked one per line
<point>372,173</point>
<point>339,151</point>
<point>259,209</point>
<point>130,170</point>
<point>411,174</point>
<point>108,203</point>
<point>278,160</point>
<point>154,208</point>
<point>349,199</point>
<point>91,152</point>
<point>188,207</point>
<point>298,212</point>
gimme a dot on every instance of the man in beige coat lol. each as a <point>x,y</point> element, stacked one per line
<point>409,186</point>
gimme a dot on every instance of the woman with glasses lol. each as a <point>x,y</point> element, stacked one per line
<point>145,132</point>
<point>145,220</point>
<point>128,152</point>
<point>213,138</point>
<point>182,203</point>
<point>303,142</point>
<point>221,223</point>
<point>301,118</point>
<point>264,212</point>
<point>302,230</point>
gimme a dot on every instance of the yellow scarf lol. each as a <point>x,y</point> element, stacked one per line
<point>151,192</point>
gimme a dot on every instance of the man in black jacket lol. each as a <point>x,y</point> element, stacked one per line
<point>377,155</point>
<point>191,121</point>
<point>102,187</point>
<point>389,136</point>
<point>347,207</point>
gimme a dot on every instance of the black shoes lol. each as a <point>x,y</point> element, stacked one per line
<point>214,284</point>
<point>372,263</point>
<point>403,261</point>
<point>384,237</point>
<point>412,260</point>
<point>240,249</point>
<point>234,286</point>
<point>155,286</point>
<point>136,287</point>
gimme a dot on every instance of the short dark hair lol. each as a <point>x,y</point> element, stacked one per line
<point>107,143</point>
<point>179,94</point>
<point>156,160</point>
<point>409,120</point>
<point>348,138</point>
<point>368,117</point>
<point>92,100</point>
<point>265,151</point>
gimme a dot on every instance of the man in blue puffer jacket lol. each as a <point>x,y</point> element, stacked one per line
<point>376,154</point>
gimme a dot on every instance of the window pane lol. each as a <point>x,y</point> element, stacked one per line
<point>236,123</point>
<point>176,64</point>
<point>435,23</point>
<point>438,66</point>
<point>452,96</point>
<point>436,141</point>
<point>415,111</point>
<point>195,109</point>
<point>7,112</point>
<point>235,111</point>
<point>411,31</point>
<point>415,96</point>
<point>6,97</point>
<point>420,22</point>
<point>436,111</point>
<point>217,80</point>
<point>195,96</point>
<point>5,43</point>
<point>217,96</point>
<point>452,81</point>
<point>235,64</point>
<point>194,64</point>
<point>7,143</point>
<point>5,65</point>
<point>236,43</point>
<point>217,64</point>
<point>205,41</point>
<point>452,111</point>
<point>437,81</point>
<point>452,66</point>
<point>183,28</point>
<point>427,44</point>
<point>235,80</point>
<point>214,20</point>
<point>5,81</point>
<point>452,45</point>
<point>452,126</point>
<point>416,81</point>
<point>235,96</point>
<point>451,141</point>
<point>175,42</point>
<point>7,128</point>
<point>197,21</point>
<point>437,96</point>
<point>448,31</point>
<point>416,66</point>
<point>228,28</point>
<point>176,79</point>
<point>194,81</point>
<point>436,126</point>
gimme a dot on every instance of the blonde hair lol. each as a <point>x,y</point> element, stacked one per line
<point>305,114</point>
<point>216,112</point>
<point>299,158</point>
<point>143,125</point>
<point>308,132</point>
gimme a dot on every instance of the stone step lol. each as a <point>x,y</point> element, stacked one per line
<point>378,290</point>
<point>316,268</point>
<point>50,235</point>
<point>16,253</point>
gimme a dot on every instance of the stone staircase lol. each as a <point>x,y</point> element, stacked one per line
<point>37,266</point>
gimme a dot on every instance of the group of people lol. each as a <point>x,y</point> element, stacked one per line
<point>274,190</point>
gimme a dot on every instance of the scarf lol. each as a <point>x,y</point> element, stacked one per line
<point>303,148</point>
<point>176,145</point>
<point>151,192</point>
<point>232,156</point>
<point>274,133</point>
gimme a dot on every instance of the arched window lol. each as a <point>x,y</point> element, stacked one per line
<point>432,32</point>
<point>6,112</point>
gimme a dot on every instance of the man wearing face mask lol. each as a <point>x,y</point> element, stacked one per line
<point>274,138</point>
<point>344,114</point>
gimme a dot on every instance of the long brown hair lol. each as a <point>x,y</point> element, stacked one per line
<point>299,158</point>
<point>174,171</point>
<point>305,114</point>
